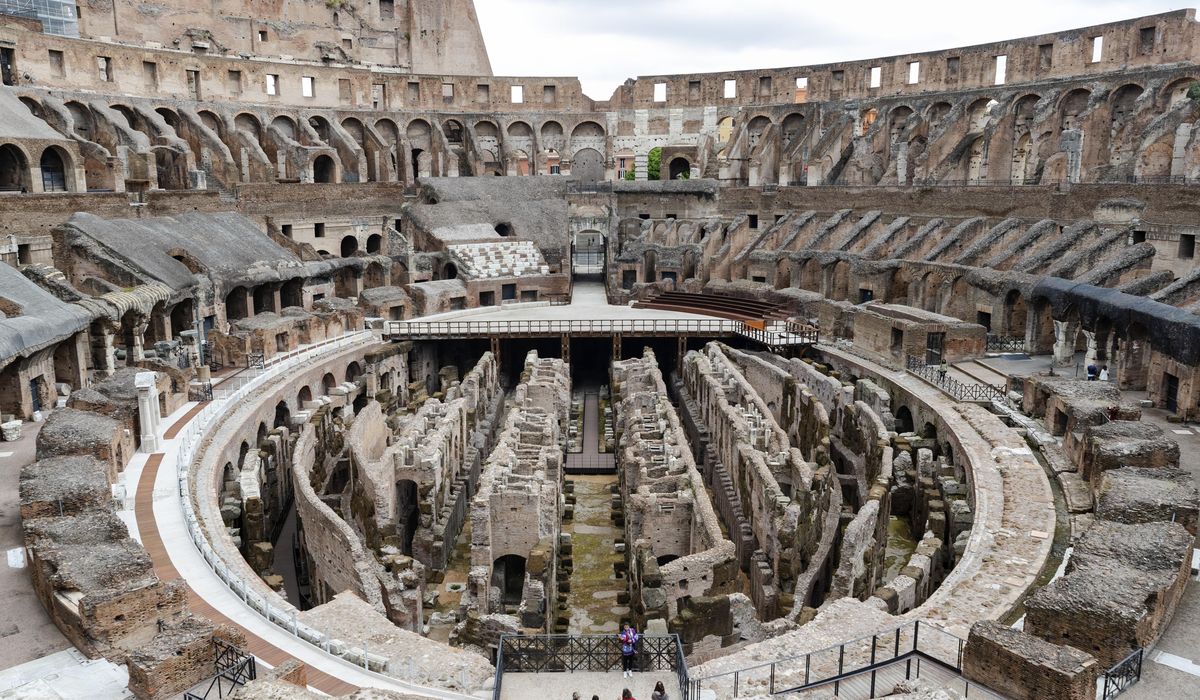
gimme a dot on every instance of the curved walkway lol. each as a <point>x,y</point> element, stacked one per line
<point>162,528</point>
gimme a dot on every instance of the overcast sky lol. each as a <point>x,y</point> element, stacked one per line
<point>603,42</point>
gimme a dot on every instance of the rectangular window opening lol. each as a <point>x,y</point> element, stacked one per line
<point>914,72</point>
<point>1187,246</point>
<point>104,69</point>
<point>308,86</point>
<point>1138,237</point>
<point>318,230</point>
<point>1045,56</point>
<point>801,90</point>
<point>549,94</point>
<point>754,221</point>
<point>378,96</point>
<point>952,66</point>
<point>1001,69</point>
<point>272,84</point>
<point>693,89</point>
<point>1097,49</point>
<point>660,92</point>
<point>765,86</point>
<point>58,64</point>
<point>837,78</point>
<point>286,229</point>
<point>233,82</point>
<point>517,95</point>
<point>193,84</point>
<point>483,94</point>
<point>730,89</point>
<point>414,93</point>
<point>150,74</point>
<point>1146,40</point>
<point>876,76</point>
<point>448,93</point>
<point>387,9</point>
<point>262,35</point>
<point>345,91</point>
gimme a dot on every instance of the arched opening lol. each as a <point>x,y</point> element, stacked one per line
<point>235,304</point>
<point>183,316</point>
<point>408,514</point>
<point>264,299</point>
<point>588,256</point>
<point>725,130</point>
<point>349,246</point>
<point>929,431</point>
<point>904,420</point>
<point>324,169</point>
<point>508,575</point>
<point>328,383</point>
<point>504,229</point>
<point>303,397</point>
<point>374,244</point>
<point>14,169</point>
<point>449,271</point>
<point>54,171</point>
<point>283,415</point>
<point>292,293</point>
<point>588,164</point>
<point>680,169</point>
<point>453,130</point>
<point>353,371</point>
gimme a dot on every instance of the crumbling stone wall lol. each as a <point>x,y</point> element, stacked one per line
<point>681,567</point>
<point>1023,667</point>
<point>439,450</point>
<point>1122,585</point>
<point>518,509</point>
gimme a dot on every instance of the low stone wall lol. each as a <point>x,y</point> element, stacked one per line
<point>1023,667</point>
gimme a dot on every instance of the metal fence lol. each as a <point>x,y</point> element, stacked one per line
<point>960,391</point>
<point>996,343</point>
<point>560,653</point>
<point>1119,678</point>
<point>857,658</point>
<point>234,668</point>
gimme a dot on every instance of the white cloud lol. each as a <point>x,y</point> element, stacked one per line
<point>604,42</point>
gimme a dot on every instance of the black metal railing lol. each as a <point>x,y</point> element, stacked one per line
<point>234,668</point>
<point>256,360</point>
<point>996,343</point>
<point>856,658</point>
<point>560,653</point>
<point>959,391</point>
<point>1119,678</point>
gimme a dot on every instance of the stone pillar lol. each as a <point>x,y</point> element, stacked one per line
<point>149,416</point>
<point>103,353</point>
<point>1093,352</point>
<point>1064,342</point>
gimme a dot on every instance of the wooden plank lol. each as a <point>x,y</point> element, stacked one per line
<point>180,424</point>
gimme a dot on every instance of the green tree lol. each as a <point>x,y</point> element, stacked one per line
<point>654,164</point>
<point>1193,92</point>
<point>631,174</point>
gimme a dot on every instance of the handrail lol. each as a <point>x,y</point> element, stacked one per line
<point>1123,674</point>
<point>959,391</point>
<point>895,635</point>
<point>562,653</point>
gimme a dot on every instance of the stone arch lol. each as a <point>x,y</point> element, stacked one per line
<point>14,168</point>
<point>904,420</point>
<point>756,128</point>
<point>353,371</point>
<point>58,172</point>
<point>1016,314</point>
<point>283,415</point>
<point>897,118</point>
<point>680,168</point>
<point>328,383</point>
<point>725,129</point>
<point>937,112</point>
<point>1073,104</point>
<point>324,169</point>
<point>349,246</point>
<point>374,244</point>
<point>286,126</point>
<point>303,397</point>
<point>236,307</point>
<point>520,130</point>
<point>1176,91</point>
<point>508,575</point>
<point>792,126</point>
<point>588,164</point>
<point>292,293</point>
<point>250,124</point>
<point>587,129</point>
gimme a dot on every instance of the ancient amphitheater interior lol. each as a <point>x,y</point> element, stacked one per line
<point>332,364</point>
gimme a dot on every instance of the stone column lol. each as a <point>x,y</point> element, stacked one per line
<point>103,353</point>
<point>1064,342</point>
<point>149,416</point>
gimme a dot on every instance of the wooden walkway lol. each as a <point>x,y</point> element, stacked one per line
<point>152,541</point>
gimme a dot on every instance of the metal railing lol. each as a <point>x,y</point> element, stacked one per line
<point>833,665</point>
<point>959,391</point>
<point>996,343</point>
<point>234,667</point>
<point>1120,677</point>
<point>774,335</point>
<point>560,653</point>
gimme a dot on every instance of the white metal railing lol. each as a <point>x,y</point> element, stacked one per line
<point>225,397</point>
<point>772,334</point>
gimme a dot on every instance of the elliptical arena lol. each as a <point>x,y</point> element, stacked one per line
<point>334,364</point>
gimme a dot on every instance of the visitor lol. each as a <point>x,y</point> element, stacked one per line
<point>575,696</point>
<point>942,369</point>
<point>1104,373</point>
<point>660,693</point>
<point>627,695</point>
<point>629,640</point>
<point>1092,372</point>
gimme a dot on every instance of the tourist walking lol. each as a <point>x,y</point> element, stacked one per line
<point>629,640</point>
<point>1104,373</point>
<point>660,693</point>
